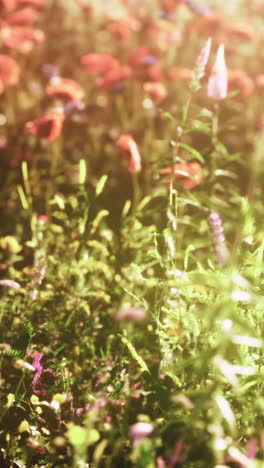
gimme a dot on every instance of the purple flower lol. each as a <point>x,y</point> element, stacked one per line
<point>148,60</point>
<point>50,70</point>
<point>218,79</point>
<point>176,456</point>
<point>140,431</point>
<point>135,314</point>
<point>218,237</point>
<point>39,371</point>
<point>6,283</point>
<point>203,56</point>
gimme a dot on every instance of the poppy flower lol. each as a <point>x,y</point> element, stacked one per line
<point>98,63</point>
<point>32,3</point>
<point>128,144</point>
<point>137,57</point>
<point>170,5</point>
<point>8,5</point>
<point>120,29</point>
<point>239,80</point>
<point>84,5</point>
<point>65,88</point>
<point>23,17</point>
<point>164,34</point>
<point>241,29</point>
<point>113,77</point>
<point>210,24</point>
<point>49,126</point>
<point>9,71</point>
<point>22,38</point>
<point>146,66</point>
<point>218,79</point>
<point>188,175</point>
<point>260,82</point>
<point>180,74</point>
<point>157,90</point>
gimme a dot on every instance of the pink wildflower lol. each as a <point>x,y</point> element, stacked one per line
<point>127,143</point>
<point>218,79</point>
<point>140,431</point>
<point>7,283</point>
<point>177,454</point>
<point>39,371</point>
<point>134,314</point>
<point>203,56</point>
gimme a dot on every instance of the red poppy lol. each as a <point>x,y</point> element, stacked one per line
<point>32,3</point>
<point>117,75</point>
<point>8,5</point>
<point>49,126</point>
<point>170,5</point>
<point>180,73</point>
<point>188,175</point>
<point>9,71</point>
<point>260,82</point>
<point>239,80</point>
<point>98,63</point>
<point>208,25</point>
<point>137,56</point>
<point>145,64</point>
<point>22,38</point>
<point>157,90</point>
<point>127,143</point>
<point>120,29</point>
<point>165,34</point>
<point>241,29</point>
<point>23,17</point>
<point>65,88</point>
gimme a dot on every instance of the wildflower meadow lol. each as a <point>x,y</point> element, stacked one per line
<point>132,234</point>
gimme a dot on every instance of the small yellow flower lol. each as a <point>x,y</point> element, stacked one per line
<point>10,244</point>
<point>23,426</point>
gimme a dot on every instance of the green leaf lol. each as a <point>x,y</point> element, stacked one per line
<point>193,151</point>
<point>82,171</point>
<point>134,354</point>
<point>100,185</point>
<point>81,436</point>
<point>77,435</point>
<point>168,115</point>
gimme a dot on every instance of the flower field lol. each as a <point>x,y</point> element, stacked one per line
<point>132,234</point>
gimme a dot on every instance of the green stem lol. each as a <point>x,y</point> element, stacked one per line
<point>55,154</point>
<point>214,139</point>
<point>136,191</point>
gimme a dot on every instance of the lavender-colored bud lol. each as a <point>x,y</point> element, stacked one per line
<point>214,218</point>
<point>148,60</point>
<point>203,56</point>
<point>50,70</point>
<point>218,229</point>
<point>218,237</point>
<point>73,106</point>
